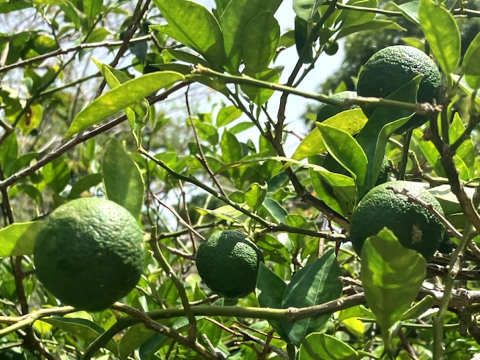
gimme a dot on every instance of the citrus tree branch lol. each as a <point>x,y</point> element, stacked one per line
<point>76,48</point>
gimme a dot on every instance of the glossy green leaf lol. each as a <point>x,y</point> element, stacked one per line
<point>353,18</point>
<point>227,114</point>
<point>466,151</point>
<point>8,153</point>
<point>231,148</point>
<point>442,34</point>
<point>57,174</point>
<point>275,209</point>
<point>430,152</point>
<point>8,6</point>
<point>345,149</point>
<point>319,346</point>
<point>383,122</point>
<point>314,284</point>
<point>351,121</point>
<point>369,26</point>
<point>326,193</point>
<point>255,195</point>
<point>221,5</point>
<point>19,238</point>
<point>227,213</point>
<point>233,21</point>
<point>409,10</point>
<point>260,41</point>
<point>307,10</point>
<point>194,26</point>
<point>134,337</point>
<point>31,119</point>
<point>302,32</point>
<point>471,65</point>
<point>274,250</point>
<point>82,328</point>
<point>269,290</point>
<point>84,184</point>
<point>391,276</point>
<point>122,178</point>
<point>121,97</point>
<point>92,8</point>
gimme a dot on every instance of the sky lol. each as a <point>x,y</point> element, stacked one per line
<point>325,66</point>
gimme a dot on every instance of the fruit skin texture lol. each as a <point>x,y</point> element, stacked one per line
<point>411,223</point>
<point>326,111</point>
<point>89,253</point>
<point>228,263</point>
<point>391,68</point>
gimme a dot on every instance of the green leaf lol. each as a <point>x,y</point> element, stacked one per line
<point>471,65</point>
<point>353,18</point>
<point>430,152</point>
<point>442,34</point>
<point>315,284</point>
<point>369,26</point>
<point>255,195</point>
<point>260,41</point>
<point>83,329</point>
<point>391,276</point>
<point>19,238</point>
<point>276,211</point>
<point>31,119</point>
<point>383,122</point>
<point>233,22</point>
<point>194,26</point>
<point>409,10</point>
<point>231,148</point>
<point>135,336</point>
<point>319,346</point>
<point>269,290</point>
<point>466,151</point>
<point>57,174</point>
<point>92,8</point>
<point>8,6</point>
<point>345,149</point>
<point>351,121</point>
<point>302,32</point>
<point>121,97</point>
<point>84,184</point>
<point>8,153</point>
<point>122,178</point>
<point>226,212</point>
<point>227,114</point>
<point>307,10</point>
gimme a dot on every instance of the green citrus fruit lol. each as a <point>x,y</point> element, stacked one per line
<point>391,68</point>
<point>89,253</point>
<point>228,263</point>
<point>414,226</point>
<point>326,111</point>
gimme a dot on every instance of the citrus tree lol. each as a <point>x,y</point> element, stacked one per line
<point>360,243</point>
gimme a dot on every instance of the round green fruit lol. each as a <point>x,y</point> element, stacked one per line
<point>228,263</point>
<point>89,253</point>
<point>414,226</point>
<point>391,68</point>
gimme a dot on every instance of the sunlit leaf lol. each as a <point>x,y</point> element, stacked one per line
<point>120,98</point>
<point>19,238</point>
<point>194,26</point>
<point>122,178</point>
<point>391,275</point>
<point>442,34</point>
